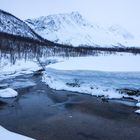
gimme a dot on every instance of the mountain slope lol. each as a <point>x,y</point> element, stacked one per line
<point>73,29</point>
<point>12,25</point>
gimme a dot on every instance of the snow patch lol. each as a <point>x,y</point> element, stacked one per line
<point>7,135</point>
<point>8,93</point>
<point>137,111</point>
<point>138,105</point>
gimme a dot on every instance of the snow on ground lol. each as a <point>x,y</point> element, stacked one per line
<point>99,76</point>
<point>9,70</point>
<point>138,104</point>
<point>8,93</point>
<point>137,111</point>
<point>21,67</point>
<point>7,135</point>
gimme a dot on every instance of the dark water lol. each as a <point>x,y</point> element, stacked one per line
<point>45,114</point>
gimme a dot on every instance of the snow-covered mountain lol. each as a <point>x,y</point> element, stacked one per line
<point>72,28</point>
<point>12,25</point>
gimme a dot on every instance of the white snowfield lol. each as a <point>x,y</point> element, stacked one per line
<point>72,28</point>
<point>108,63</point>
<point>8,93</point>
<point>99,76</point>
<point>7,135</point>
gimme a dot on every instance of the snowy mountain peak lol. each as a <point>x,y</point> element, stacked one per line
<point>72,28</point>
<point>76,16</point>
<point>55,22</point>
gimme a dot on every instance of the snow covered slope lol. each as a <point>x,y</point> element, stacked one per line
<point>72,28</point>
<point>12,25</point>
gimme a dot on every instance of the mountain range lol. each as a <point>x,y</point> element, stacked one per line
<point>73,29</point>
<point>68,29</point>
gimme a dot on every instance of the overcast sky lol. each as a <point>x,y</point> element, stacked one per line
<point>123,12</point>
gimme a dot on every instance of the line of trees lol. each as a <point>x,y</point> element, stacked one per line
<point>17,47</point>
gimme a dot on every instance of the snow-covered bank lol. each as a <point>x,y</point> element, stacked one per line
<point>8,93</point>
<point>7,135</point>
<point>8,70</point>
<point>99,76</point>
<point>21,67</point>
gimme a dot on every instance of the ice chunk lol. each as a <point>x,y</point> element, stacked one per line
<point>138,104</point>
<point>8,93</point>
<point>137,111</point>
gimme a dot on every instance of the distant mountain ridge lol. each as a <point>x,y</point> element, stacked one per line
<point>68,29</point>
<point>73,29</point>
<point>14,26</point>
